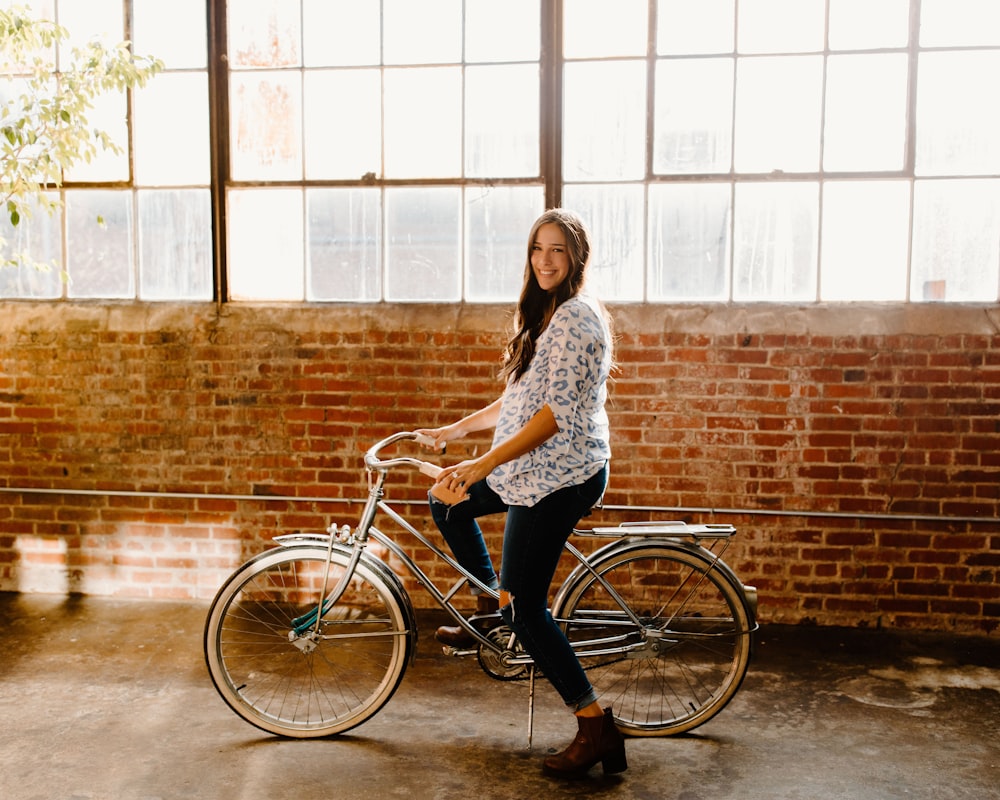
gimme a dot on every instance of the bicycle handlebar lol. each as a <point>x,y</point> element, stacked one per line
<point>373,462</point>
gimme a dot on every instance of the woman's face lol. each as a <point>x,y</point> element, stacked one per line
<point>550,257</point>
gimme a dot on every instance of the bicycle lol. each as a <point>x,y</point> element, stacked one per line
<point>313,637</point>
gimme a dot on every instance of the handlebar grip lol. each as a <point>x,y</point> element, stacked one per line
<point>430,470</point>
<point>427,441</point>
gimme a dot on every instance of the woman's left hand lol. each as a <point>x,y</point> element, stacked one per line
<point>541,427</point>
<point>459,477</point>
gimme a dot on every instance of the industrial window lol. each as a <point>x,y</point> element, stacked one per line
<point>760,150</point>
<point>136,224</point>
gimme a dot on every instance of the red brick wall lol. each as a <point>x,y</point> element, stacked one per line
<point>856,448</point>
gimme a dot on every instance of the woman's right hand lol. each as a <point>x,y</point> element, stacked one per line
<point>439,436</point>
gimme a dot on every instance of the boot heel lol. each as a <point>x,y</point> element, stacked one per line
<point>613,744</point>
<point>615,762</point>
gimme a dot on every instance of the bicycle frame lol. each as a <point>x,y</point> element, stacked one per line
<point>366,530</point>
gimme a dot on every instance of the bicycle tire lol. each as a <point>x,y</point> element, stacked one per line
<point>693,651</point>
<point>307,686</point>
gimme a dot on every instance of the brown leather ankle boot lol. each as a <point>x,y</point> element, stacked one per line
<point>487,607</point>
<point>597,739</point>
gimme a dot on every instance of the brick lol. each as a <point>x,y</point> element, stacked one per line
<point>904,606</point>
<point>966,608</point>
<point>935,557</point>
<point>854,606</point>
<point>971,542</point>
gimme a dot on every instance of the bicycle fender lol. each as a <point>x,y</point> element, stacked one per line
<point>321,544</point>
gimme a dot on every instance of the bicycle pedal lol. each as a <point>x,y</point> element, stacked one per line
<point>458,652</point>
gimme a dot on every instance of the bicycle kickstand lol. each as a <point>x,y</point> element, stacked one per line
<point>531,703</point>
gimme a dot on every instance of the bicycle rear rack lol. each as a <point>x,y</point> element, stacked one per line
<point>669,528</point>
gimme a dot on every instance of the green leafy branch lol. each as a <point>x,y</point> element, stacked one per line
<point>44,129</point>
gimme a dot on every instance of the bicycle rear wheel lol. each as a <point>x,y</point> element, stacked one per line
<point>689,658</point>
<point>316,682</point>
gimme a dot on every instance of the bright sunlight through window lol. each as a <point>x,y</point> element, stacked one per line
<point>849,153</point>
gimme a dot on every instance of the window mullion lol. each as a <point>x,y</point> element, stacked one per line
<point>550,98</point>
<point>218,93</point>
<point>909,165</point>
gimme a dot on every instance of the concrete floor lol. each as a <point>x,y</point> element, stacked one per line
<point>109,700</point>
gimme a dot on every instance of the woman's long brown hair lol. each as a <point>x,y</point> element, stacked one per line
<point>536,306</point>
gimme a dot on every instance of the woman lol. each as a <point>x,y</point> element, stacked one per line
<point>546,468</point>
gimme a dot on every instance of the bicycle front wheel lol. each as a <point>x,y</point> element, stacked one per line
<point>688,658</point>
<point>315,682</point>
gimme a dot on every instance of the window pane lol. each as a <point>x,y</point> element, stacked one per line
<point>266,125</point>
<point>695,26</point>
<point>263,33</point>
<point>865,113</point>
<point>174,32</point>
<point>171,130</point>
<point>343,124</point>
<point>345,244</point>
<point>423,122</point>
<point>266,244</point>
<point>863,24</point>
<point>19,101</point>
<point>614,215</point>
<point>689,241</point>
<point>423,257</point>
<point>780,26</point>
<point>175,245</point>
<point>958,128</point>
<point>776,235</point>
<point>501,121</point>
<point>96,19</point>
<point>110,115</point>
<point>346,33</point>
<point>604,121</point>
<point>945,23</point>
<point>956,241</point>
<point>507,31</point>
<point>865,233</point>
<point>99,244</point>
<point>35,242</point>
<point>428,32</point>
<point>13,89</point>
<point>597,28</point>
<point>778,105</point>
<point>694,116</point>
<point>30,281</point>
<point>497,222</point>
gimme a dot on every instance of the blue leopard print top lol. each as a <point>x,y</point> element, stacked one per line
<point>569,373</point>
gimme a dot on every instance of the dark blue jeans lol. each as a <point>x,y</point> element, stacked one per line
<point>532,545</point>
